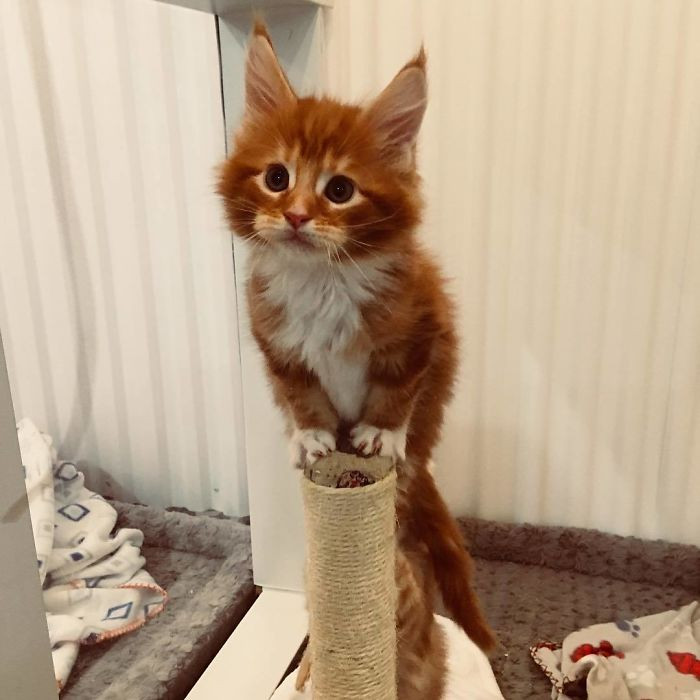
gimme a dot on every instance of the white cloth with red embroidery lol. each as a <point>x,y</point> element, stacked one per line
<point>656,657</point>
<point>94,584</point>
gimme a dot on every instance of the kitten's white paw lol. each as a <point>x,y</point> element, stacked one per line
<point>369,440</point>
<point>310,444</point>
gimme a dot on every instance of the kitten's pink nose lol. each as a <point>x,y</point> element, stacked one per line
<point>296,219</point>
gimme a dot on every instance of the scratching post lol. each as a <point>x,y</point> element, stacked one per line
<point>349,511</point>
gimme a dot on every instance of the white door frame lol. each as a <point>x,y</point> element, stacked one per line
<point>253,660</point>
<point>297,30</point>
<point>273,487</point>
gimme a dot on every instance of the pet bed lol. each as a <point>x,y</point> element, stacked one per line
<point>535,582</point>
<point>541,583</point>
<point>205,565</point>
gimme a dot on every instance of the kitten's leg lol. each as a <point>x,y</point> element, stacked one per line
<point>304,670</point>
<point>395,379</point>
<point>313,422</point>
<point>422,656</point>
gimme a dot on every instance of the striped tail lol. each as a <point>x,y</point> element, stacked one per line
<point>430,521</point>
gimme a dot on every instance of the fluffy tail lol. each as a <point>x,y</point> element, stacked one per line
<point>431,523</point>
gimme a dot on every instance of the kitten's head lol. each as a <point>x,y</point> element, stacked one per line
<point>316,179</point>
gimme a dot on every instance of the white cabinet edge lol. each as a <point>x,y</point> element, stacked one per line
<point>223,7</point>
<point>253,660</point>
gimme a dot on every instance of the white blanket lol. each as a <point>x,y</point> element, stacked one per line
<point>469,674</point>
<point>94,584</point>
<point>656,657</point>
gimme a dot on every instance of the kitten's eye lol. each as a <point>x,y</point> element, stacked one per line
<point>277,178</point>
<point>339,189</point>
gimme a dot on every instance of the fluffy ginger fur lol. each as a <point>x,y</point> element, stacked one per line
<point>350,312</point>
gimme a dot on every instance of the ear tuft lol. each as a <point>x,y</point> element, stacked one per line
<point>266,86</point>
<point>420,60</point>
<point>397,113</point>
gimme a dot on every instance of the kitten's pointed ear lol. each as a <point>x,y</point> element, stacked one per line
<point>397,113</point>
<point>266,86</point>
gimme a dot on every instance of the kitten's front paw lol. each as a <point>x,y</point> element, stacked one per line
<point>310,444</point>
<point>369,440</point>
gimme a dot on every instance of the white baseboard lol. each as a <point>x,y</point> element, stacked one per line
<point>251,663</point>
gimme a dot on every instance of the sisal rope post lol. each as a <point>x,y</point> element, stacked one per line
<point>350,584</point>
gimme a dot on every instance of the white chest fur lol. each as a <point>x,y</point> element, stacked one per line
<point>345,382</point>
<point>321,307</point>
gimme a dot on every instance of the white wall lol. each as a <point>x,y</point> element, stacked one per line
<point>117,295</point>
<point>561,154</point>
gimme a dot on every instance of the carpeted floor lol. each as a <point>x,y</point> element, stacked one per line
<point>204,563</point>
<point>540,583</point>
<point>535,583</point>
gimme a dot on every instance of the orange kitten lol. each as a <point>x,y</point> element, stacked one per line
<point>346,306</point>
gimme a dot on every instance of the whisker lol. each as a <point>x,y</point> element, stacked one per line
<point>371,286</point>
<point>359,269</point>
<point>328,232</point>
<point>245,210</point>
<point>362,243</point>
<point>258,242</point>
<point>372,223</point>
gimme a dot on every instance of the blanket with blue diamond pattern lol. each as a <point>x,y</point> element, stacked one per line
<point>94,584</point>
